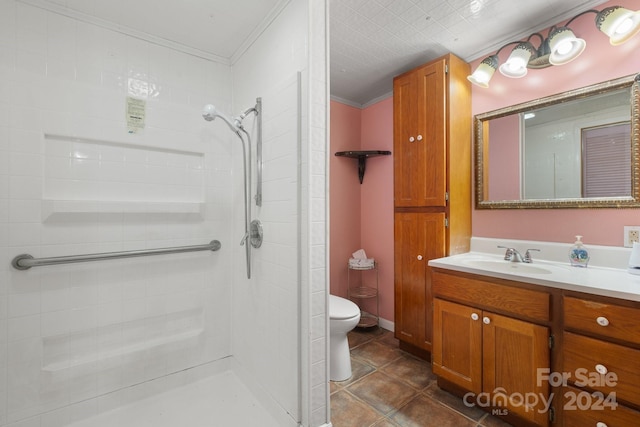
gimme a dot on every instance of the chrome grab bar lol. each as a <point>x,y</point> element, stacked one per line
<point>26,261</point>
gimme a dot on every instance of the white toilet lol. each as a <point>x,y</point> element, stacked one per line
<point>344,315</point>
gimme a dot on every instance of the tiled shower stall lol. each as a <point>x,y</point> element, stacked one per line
<point>77,340</point>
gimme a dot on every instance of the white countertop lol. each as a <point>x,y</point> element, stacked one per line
<point>605,281</point>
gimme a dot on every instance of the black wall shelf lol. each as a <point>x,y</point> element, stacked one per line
<point>362,156</point>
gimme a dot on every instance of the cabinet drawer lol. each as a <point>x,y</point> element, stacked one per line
<point>582,409</point>
<point>582,355</point>
<point>503,299</point>
<point>608,320</point>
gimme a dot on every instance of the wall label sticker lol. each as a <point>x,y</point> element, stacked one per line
<point>136,110</point>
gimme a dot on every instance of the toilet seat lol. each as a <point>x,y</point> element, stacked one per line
<point>341,308</point>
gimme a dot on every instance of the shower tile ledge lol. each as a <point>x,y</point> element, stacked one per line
<point>51,208</point>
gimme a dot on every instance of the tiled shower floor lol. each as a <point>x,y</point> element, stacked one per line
<point>218,401</point>
<point>391,388</point>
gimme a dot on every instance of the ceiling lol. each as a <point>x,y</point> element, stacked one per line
<point>216,29</point>
<point>374,40</point>
<point>371,40</point>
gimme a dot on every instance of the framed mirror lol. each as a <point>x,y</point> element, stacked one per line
<point>577,149</point>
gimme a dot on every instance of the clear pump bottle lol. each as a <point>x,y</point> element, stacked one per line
<point>579,255</point>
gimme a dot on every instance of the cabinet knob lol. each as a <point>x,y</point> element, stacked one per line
<point>602,321</point>
<point>419,257</point>
<point>601,424</point>
<point>474,316</point>
<point>419,137</point>
<point>486,320</point>
<point>411,139</point>
<point>601,369</point>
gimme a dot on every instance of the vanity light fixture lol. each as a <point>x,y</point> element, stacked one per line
<point>561,45</point>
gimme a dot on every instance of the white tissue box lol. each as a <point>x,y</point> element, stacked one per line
<point>359,263</point>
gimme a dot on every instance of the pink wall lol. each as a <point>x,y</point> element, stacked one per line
<point>344,194</point>
<point>600,61</point>
<point>362,214</point>
<point>376,198</point>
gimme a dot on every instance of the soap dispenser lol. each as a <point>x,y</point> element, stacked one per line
<point>578,255</point>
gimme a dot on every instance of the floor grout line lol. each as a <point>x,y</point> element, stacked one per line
<point>367,366</point>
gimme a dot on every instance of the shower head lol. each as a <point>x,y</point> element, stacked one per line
<point>210,112</point>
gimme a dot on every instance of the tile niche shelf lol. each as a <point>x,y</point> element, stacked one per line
<point>362,156</point>
<point>53,207</point>
<point>87,176</point>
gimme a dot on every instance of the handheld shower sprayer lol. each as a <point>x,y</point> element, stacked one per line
<point>210,112</point>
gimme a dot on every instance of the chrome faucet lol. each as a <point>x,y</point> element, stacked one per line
<point>512,255</point>
<point>527,255</point>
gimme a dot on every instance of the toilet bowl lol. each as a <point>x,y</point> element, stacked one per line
<point>344,315</point>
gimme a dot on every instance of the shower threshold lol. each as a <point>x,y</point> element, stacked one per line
<point>218,400</point>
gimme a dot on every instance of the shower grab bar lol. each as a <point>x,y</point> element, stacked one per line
<point>26,261</point>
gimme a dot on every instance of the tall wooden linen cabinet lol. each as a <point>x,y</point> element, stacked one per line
<point>432,186</point>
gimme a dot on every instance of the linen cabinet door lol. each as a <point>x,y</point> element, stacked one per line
<point>419,237</point>
<point>513,352</point>
<point>405,156</point>
<point>419,101</point>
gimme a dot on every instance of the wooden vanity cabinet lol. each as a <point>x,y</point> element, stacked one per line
<point>601,352</point>
<point>492,339</point>
<point>432,186</point>
<point>491,333</point>
<point>584,409</point>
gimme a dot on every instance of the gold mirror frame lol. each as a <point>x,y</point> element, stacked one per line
<point>481,125</point>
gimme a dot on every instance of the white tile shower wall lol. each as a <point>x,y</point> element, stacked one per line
<point>315,164</point>
<point>71,333</point>
<point>77,169</point>
<point>267,321</point>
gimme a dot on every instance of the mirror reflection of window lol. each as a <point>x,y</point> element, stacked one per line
<point>606,161</point>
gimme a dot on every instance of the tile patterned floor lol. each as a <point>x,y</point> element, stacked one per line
<point>391,388</point>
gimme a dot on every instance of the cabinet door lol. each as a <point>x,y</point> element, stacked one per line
<point>513,352</point>
<point>419,237</point>
<point>457,344</point>
<point>419,101</point>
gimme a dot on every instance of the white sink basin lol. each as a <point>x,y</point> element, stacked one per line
<point>604,281</point>
<point>508,267</point>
